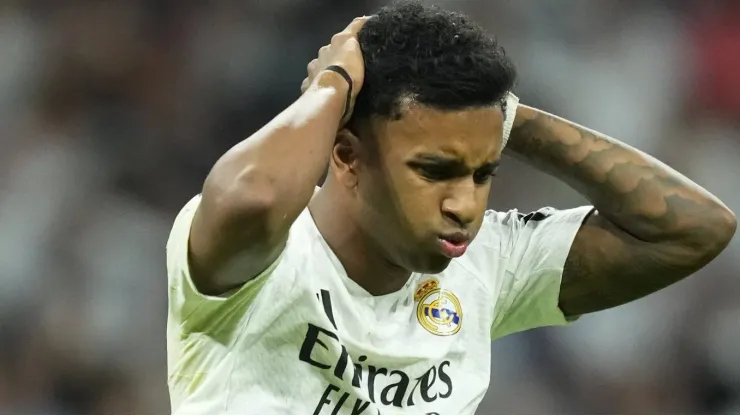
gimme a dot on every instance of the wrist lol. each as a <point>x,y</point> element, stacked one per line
<point>329,76</point>
<point>510,112</point>
<point>332,80</point>
<point>523,114</point>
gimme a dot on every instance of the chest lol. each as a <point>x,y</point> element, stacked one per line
<point>426,346</point>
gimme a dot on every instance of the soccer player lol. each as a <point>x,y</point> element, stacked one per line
<point>381,291</point>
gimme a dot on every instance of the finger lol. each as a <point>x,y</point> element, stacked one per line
<point>350,31</point>
<point>311,67</point>
<point>305,84</point>
<point>340,38</point>
<point>357,24</point>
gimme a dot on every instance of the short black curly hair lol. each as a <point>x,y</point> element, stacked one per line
<point>434,57</point>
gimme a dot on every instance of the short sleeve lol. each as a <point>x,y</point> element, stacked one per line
<point>191,310</point>
<point>531,250</point>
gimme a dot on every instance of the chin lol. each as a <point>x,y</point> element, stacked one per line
<point>432,264</point>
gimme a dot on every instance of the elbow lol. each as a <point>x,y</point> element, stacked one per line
<point>253,192</point>
<point>717,231</point>
<point>729,225</point>
<point>240,184</point>
<point>244,199</point>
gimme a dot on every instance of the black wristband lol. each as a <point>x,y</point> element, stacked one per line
<point>341,71</point>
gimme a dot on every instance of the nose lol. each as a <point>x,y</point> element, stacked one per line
<point>460,204</point>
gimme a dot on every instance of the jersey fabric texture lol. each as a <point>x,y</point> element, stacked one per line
<point>302,337</point>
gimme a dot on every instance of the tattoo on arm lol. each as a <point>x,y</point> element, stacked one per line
<point>653,227</point>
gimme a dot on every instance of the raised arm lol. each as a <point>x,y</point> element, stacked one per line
<point>652,226</point>
<point>257,189</point>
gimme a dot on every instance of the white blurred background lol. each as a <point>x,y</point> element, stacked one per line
<point>113,111</point>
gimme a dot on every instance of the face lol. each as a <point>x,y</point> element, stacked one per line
<point>422,183</point>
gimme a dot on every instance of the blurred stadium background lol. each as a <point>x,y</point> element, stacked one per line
<point>112,113</point>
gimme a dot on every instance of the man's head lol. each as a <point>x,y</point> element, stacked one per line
<point>426,132</point>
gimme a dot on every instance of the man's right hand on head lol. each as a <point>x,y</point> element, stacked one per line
<point>343,51</point>
<point>253,195</point>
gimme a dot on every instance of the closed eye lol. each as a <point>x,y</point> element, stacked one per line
<point>484,175</point>
<point>436,173</point>
<point>437,169</point>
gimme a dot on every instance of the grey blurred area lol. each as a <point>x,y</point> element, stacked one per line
<point>113,111</point>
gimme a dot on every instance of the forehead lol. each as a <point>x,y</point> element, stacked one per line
<point>473,135</point>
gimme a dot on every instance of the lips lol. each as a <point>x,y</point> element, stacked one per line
<point>455,244</point>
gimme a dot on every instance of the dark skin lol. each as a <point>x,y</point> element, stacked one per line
<point>653,227</point>
<point>393,191</point>
<point>252,195</point>
<point>395,186</point>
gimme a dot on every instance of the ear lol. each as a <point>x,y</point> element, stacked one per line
<point>346,157</point>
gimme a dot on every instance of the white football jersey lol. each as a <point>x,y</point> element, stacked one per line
<point>304,338</point>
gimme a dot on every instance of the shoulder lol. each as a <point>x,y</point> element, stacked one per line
<point>500,229</point>
<point>513,219</point>
<point>297,249</point>
<point>512,224</point>
<point>508,240</point>
<point>300,231</point>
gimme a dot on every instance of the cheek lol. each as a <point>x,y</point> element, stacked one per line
<point>420,202</point>
<point>408,202</point>
<point>481,198</point>
<point>483,194</point>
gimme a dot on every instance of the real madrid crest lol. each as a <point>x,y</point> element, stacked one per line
<point>439,310</point>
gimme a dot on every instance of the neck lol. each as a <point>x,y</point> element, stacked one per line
<point>362,259</point>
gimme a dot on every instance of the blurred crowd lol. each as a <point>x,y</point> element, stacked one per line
<point>113,111</point>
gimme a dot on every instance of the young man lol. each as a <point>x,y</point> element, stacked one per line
<point>381,292</point>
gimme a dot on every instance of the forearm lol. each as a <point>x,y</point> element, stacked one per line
<point>281,164</point>
<point>636,192</point>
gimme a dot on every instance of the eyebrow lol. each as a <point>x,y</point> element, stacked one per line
<point>452,162</point>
